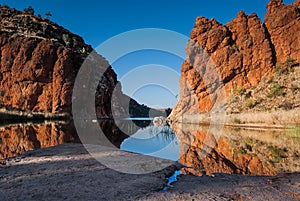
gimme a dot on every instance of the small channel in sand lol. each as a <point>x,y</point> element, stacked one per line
<point>171,180</point>
<point>157,141</point>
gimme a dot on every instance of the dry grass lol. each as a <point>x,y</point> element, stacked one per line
<point>264,119</point>
<point>271,118</point>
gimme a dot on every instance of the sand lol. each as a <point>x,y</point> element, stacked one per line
<point>68,172</point>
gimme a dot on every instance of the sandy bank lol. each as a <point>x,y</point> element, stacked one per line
<point>68,172</point>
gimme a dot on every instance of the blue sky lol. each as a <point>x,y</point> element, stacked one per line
<point>97,21</point>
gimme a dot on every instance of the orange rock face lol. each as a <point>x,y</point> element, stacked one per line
<point>39,61</point>
<point>238,54</point>
<point>283,24</point>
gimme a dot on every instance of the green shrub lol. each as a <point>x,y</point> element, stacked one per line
<point>240,91</point>
<point>29,10</point>
<point>247,147</point>
<point>75,43</point>
<point>83,51</point>
<point>293,132</point>
<point>44,27</point>
<point>250,103</point>
<point>289,62</point>
<point>277,153</point>
<point>66,39</point>
<point>271,80</point>
<point>48,15</point>
<point>286,66</point>
<point>279,70</point>
<point>287,106</point>
<point>276,90</point>
<point>296,157</point>
<point>237,121</point>
<point>239,151</point>
<point>294,87</point>
<point>249,141</point>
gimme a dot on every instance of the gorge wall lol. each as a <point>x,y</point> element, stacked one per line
<point>239,54</point>
<point>39,61</point>
<point>39,64</point>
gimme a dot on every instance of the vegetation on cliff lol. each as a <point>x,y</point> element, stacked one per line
<point>39,62</point>
<point>279,92</point>
<point>249,64</point>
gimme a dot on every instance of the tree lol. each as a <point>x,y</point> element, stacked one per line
<point>48,15</point>
<point>66,39</point>
<point>44,26</point>
<point>29,10</point>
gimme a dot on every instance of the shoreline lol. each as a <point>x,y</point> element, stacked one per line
<point>15,115</point>
<point>68,172</point>
<point>267,120</point>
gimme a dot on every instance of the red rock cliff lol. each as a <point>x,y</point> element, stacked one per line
<point>39,61</point>
<point>238,54</point>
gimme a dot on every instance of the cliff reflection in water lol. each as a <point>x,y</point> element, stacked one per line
<point>15,139</point>
<point>235,151</point>
<point>238,151</point>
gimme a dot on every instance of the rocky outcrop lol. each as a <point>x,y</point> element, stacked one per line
<point>221,58</point>
<point>39,62</point>
<point>283,24</point>
<point>159,121</point>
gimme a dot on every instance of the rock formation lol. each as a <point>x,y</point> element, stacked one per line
<point>239,54</point>
<point>283,24</point>
<point>39,61</point>
<point>159,121</point>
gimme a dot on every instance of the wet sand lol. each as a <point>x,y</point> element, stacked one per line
<point>68,172</point>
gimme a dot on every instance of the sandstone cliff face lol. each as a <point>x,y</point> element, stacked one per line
<point>39,61</point>
<point>283,24</point>
<point>238,54</point>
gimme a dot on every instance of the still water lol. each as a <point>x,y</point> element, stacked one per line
<point>201,151</point>
<point>159,141</point>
